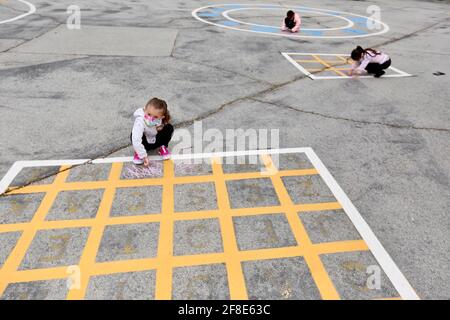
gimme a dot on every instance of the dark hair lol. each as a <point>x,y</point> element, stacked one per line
<point>290,14</point>
<point>359,52</point>
<point>160,104</point>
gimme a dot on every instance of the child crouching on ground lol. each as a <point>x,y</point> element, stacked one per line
<point>371,60</point>
<point>291,22</point>
<point>151,130</point>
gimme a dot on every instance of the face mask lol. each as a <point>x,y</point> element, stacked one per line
<point>152,121</point>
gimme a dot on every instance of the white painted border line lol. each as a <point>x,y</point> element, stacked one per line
<point>297,65</point>
<point>19,165</point>
<point>51,163</point>
<point>401,73</point>
<point>316,54</point>
<point>32,9</point>
<point>394,274</point>
<point>188,156</point>
<point>10,175</point>
<point>287,55</point>
<point>314,77</point>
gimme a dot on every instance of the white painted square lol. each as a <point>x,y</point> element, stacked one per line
<point>310,68</point>
<point>394,274</point>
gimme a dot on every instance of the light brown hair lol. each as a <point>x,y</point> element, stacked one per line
<point>160,104</point>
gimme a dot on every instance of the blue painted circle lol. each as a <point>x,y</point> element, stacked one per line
<point>357,25</point>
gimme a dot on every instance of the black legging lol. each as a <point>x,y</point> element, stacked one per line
<point>163,138</point>
<point>376,68</point>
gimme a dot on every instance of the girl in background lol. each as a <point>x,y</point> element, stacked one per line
<point>370,60</point>
<point>291,22</point>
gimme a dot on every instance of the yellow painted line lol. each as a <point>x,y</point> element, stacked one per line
<point>340,246</point>
<point>345,59</point>
<point>306,61</point>
<point>118,220</point>
<point>302,172</point>
<point>38,274</point>
<point>264,174</point>
<point>136,265</point>
<point>317,206</point>
<point>271,253</point>
<point>328,69</point>
<point>17,254</point>
<point>155,217</point>
<point>165,261</point>
<point>130,183</point>
<point>318,272</point>
<point>68,186</point>
<point>236,281</point>
<point>328,65</point>
<point>87,260</point>
<point>340,60</point>
<point>316,70</point>
<point>323,69</point>
<point>336,62</point>
<point>15,227</point>
<point>321,277</point>
<point>333,61</point>
<point>163,289</point>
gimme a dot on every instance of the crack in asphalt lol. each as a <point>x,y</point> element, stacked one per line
<point>226,104</point>
<point>406,36</point>
<point>177,125</point>
<point>222,69</point>
<point>323,115</point>
<point>35,37</point>
<point>253,97</point>
<point>8,6</point>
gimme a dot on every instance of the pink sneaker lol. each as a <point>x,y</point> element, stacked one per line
<point>137,160</point>
<point>164,152</point>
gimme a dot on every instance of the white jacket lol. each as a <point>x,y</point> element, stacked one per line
<point>140,129</point>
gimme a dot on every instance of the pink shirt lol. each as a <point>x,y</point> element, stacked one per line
<point>297,20</point>
<point>370,57</point>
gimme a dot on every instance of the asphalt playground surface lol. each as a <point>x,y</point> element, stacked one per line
<point>70,94</point>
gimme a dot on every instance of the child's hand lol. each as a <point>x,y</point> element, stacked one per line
<point>146,162</point>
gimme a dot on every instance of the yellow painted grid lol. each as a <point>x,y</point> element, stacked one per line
<point>337,66</point>
<point>165,261</point>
